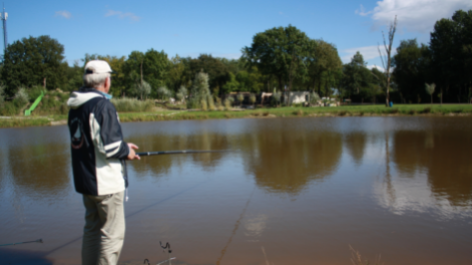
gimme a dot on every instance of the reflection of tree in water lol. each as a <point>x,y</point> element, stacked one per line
<point>445,156</point>
<point>40,169</point>
<point>286,160</point>
<point>3,173</point>
<point>164,142</point>
<point>355,143</point>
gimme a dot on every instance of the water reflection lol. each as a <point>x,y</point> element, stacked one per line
<point>41,170</point>
<point>285,161</point>
<point>355,145</point>
<point>160,165</point>
<point>443,156</point>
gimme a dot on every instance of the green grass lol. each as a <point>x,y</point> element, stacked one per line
<point>24,122</point>
<point>342,111</point>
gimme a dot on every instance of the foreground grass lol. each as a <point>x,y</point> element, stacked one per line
<point>163,115</point>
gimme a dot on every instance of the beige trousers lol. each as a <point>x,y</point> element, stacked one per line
<point>104,230</point>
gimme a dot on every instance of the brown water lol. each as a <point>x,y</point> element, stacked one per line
<point>290,191</point>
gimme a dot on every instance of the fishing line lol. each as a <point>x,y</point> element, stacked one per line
<point>26,242</point>
<point>235,229</point>
<point>134,213</point>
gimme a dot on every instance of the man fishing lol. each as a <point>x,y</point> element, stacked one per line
<point>98,153</point>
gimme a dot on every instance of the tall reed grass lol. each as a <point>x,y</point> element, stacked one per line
<point>132,105</point>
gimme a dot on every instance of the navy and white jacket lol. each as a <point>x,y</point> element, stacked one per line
<point>97,146</point>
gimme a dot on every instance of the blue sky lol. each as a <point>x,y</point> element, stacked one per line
<point>220,28</point>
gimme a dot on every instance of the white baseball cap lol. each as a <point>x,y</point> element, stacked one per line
<point>97,67</point>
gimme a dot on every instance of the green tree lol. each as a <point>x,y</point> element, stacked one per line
<point>281,52</point>
<point>132,71</point>
<point>451,53</point>
<point>231,86</point>
<point>118,77</point>
<point>74,77</point>
<point>155,67</point>
<point>324,68</point>
<point>251,80</point>
<point>34,61</point>
<point>411,70</point>
<point>356,78</point>
<point>175,76</point>
<point>151,66</point>
<point>216,69</point>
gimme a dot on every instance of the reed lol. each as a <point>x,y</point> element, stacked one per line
<point>132,105</point>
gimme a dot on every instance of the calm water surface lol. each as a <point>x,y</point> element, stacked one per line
<point>291,191</point>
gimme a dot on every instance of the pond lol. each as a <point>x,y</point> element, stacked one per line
<point>287,191</point>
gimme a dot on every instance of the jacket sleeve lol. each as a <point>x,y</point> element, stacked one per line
<point>112,144</point>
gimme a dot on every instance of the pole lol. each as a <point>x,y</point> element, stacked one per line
<point>26,242</point>
<point>176,152</point>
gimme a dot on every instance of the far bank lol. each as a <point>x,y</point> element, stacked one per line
<point>169,114</point>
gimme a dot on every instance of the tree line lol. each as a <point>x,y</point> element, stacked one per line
<point>278,59</point>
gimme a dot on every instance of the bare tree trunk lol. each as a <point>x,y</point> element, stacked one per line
<point>44,83</point>
<point>388,51</point>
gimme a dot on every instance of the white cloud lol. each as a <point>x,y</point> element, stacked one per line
<point>368,52</point>
<point>63,13</point>
<point>403,195</point>
<point>371,66</point>
<point>418,15</point>
<point>361,11</point>
<point>122,15</point>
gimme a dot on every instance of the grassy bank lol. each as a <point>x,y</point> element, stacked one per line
<point>369,110</point>
<point>23,122</point>
<point>162,114</point>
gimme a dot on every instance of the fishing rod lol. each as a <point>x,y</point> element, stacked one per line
<point>176,152</point>
<point>26,242</point>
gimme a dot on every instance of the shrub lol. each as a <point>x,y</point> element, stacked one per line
<point>35,92</point>
<point>2,95</point>
<point>182,93</point>
<point>227,104</point>
<point>163,93</point>
<point>252,98</point>
<point>276,96</point>
<point>211,103</point>
<point>9,109</point>
<point>193,103</point>
<point>314,97</point>
<point>240,98</point>
<point>200,92</point>
<point>203,104</point>
<point>142,89</point>
<point>132,105</point>
<point>21,96</point>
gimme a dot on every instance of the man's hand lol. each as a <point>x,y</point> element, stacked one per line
<point>132,155</point>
